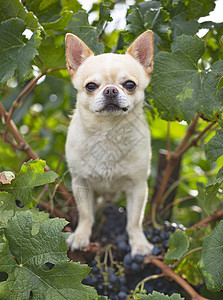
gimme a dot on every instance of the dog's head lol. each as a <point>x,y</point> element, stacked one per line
<point>110,83</point>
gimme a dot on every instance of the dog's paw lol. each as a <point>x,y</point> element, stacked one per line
<point>140,245</point>
<point>78,240</point>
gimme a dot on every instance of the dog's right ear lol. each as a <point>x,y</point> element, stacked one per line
<point>76,52</point>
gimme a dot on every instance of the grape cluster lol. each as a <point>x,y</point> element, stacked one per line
<point>108,281</point>
<point>118,275</point>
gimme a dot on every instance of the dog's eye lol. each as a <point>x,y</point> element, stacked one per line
<point>91,86</point>
<point>129,85</point>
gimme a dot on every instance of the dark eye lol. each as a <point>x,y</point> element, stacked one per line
<point>129,85</point>
<point>91,86</point>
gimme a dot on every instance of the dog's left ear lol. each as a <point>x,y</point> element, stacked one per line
<point>142,50</point>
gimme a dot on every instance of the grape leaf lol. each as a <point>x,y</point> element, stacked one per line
<point>51,52</point>
<point>8,209</point>
<point>14,8</point>
<point>31,174</point>
<point>45,10</point>
<point>158,19</point>
<point>220,84</point>
<point>211,262</point>
<point>73,5</point>
<point>210,193</point>
<point>160,296</point>
<point>15,55</point>
<point>80,26</point>
<point>179,88</point>
<point>179,25</point>
<point>178,244</point>
<point>60,23</point>
<point>135,22</point>
<point>40,265</point>
<point>104,15</point>
<point>214,147</point>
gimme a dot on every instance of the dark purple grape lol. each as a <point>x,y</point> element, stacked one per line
<point>113,278</point>
<point>120,238</point>
<point>99,277</point>
<point>138,258</point>
<point>164,235</point>
<point>122,280</point>
<point>127,261</point>
<point>100,287</point>
<point>89,280</point>
<point>122,246</point>
<point>110,287</point>
<point>165,244</point>
<point>156,250</point>
<point>156,231</point>
<point>122,295</point>
<point>135,266</point>
<point>155,239</point>
<point>95,270</point>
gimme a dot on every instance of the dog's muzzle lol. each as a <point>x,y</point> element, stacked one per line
<point>111,96</point>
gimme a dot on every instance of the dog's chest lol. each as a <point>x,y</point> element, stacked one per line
<point>107,156</point>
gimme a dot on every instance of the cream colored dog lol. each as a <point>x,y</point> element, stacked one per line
<point>108,144</point>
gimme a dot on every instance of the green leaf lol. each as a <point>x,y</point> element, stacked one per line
<point>51,52</point>
<point>214,147</point>
<point>135,22</point>
<point>104,15</point>
<point>220,84</point>
<point>8,209</point>
<point>80,26</point>
<point>178,244</point>
<point>15,55</point>
<point>73,5</point>
<point>29,271</point>
<point>31,175</point>
<point>158,21</point>
<point>211,191</point>
<point>59,24</point>
<point>14,8</point>
<point>179,26</point>
<point>179,88</point>
<point>211,263</point>
<point>45,10</point>
<point>160,296</point>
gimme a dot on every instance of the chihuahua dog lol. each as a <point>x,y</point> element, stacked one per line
<point>108,143</point>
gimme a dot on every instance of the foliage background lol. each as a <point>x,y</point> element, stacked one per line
<point>32,44</point>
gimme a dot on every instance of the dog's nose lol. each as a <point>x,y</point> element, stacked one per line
<point>110,92</point>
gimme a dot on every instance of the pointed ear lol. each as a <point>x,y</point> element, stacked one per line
<point>76,52</point>
<point>142,50</point>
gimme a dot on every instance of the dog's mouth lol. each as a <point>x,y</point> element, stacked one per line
<point>111,107</point>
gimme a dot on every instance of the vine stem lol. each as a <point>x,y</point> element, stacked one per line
<point>170,273</point>
<point>174,185</point>
<point>216,215</point>
<point>142,282</point>
<point>175,202</point>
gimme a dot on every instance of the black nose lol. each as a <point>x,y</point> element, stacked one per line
<point>110,92</point>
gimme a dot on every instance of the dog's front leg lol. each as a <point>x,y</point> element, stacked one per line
<point>136,201</point>
<point>84,196</point>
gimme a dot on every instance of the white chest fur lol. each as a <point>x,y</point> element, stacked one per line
<point>109,157</point>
